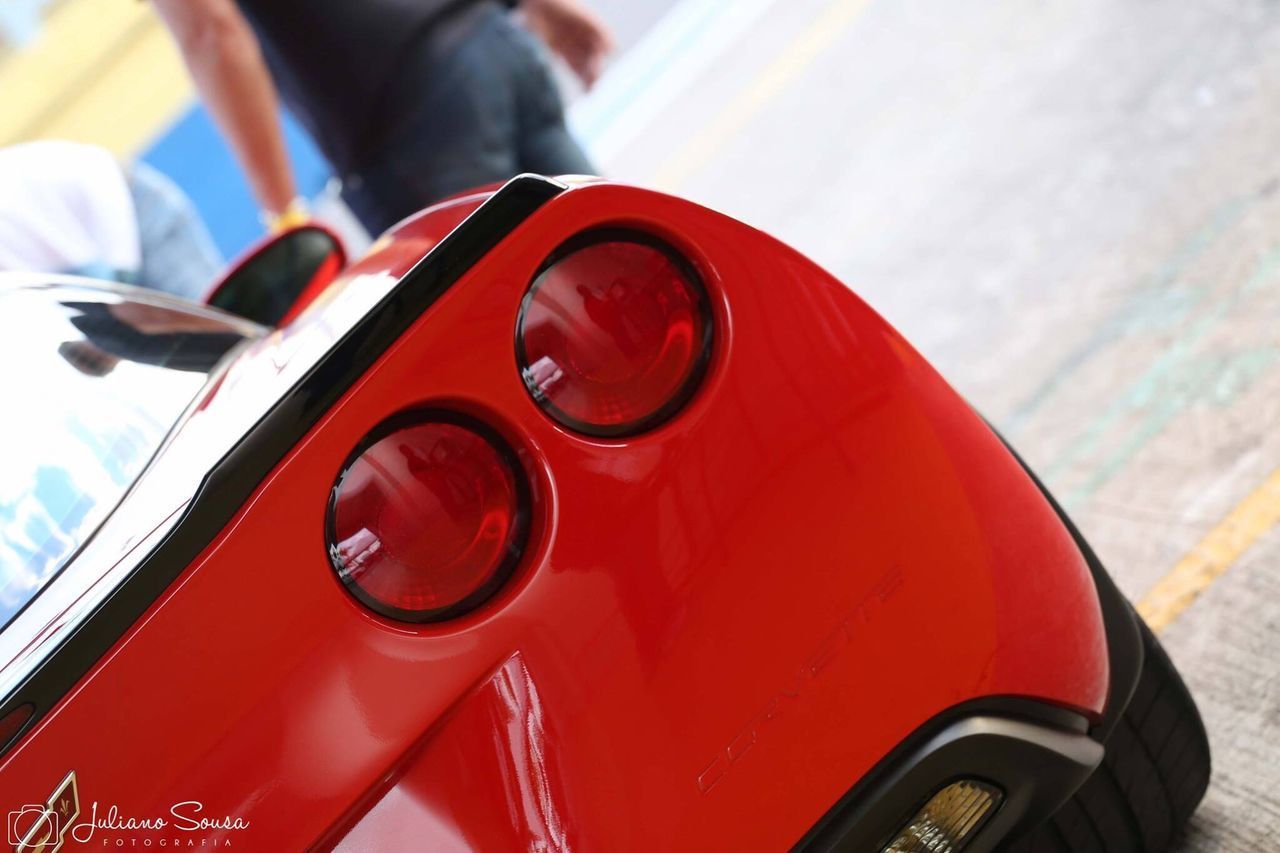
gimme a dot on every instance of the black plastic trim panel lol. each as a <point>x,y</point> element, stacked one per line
<point>1019,746</point>
<point>1036,754</point>
<point>232,481</point>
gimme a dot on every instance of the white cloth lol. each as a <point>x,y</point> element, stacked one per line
<point>65,207</point>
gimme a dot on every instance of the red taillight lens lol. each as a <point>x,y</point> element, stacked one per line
<point>428,517</point>
<point>614,334</point>
<point>13,722</point>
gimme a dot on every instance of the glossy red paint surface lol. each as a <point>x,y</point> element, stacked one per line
<point>717,627</point>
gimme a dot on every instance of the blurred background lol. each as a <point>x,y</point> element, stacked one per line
<point>1069,206</point>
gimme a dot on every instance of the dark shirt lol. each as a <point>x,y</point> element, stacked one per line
<point>332,60</point>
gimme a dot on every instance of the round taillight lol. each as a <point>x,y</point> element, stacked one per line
<point>428,517</point>
<point>14,722</point>
<point>614,333</point>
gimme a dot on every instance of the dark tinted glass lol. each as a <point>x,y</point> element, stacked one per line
<point>264,286</point>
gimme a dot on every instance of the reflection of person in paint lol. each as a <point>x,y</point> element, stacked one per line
<point>146,334</point>
<point>439,478</point>
<point>608,312</point>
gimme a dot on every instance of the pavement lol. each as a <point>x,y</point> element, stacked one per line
<point>1072,208</point>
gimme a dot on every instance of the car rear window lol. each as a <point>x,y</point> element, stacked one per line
<point>93,381</point>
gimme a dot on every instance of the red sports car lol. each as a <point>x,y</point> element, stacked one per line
<point>571,516</point>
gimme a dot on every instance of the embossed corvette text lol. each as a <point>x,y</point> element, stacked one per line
<point>830,648</point>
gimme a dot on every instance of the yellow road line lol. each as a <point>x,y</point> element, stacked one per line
<point>1217,552</point>
<point>760,91</point>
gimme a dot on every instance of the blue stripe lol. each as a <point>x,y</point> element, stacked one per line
<point>192,152</point>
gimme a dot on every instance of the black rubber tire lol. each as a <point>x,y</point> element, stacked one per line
<point>1155,771</point>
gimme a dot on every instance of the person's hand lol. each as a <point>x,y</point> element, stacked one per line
<point>294,214</point>
<point>572,31</point>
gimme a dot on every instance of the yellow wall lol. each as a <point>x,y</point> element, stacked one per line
<point>101,71</point>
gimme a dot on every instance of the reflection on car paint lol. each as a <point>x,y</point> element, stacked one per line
<point>99,398</point>
<point>500,737</point>
<point>237,392</point>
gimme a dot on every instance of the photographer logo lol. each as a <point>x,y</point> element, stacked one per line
<point>43,829</point>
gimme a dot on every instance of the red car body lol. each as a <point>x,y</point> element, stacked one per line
<point>719,630</point>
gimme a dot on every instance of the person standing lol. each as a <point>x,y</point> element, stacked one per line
<point>410,100</point>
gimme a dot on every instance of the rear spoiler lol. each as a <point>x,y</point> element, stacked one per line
<point>76,646</point>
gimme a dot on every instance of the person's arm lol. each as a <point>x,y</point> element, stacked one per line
<point>225,61</point>
<point>573,31</point>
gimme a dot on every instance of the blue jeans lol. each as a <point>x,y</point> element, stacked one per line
<point>178,255</point>
<point>474,104</point>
